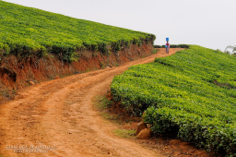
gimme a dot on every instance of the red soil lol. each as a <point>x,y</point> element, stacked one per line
<point>17,73</point>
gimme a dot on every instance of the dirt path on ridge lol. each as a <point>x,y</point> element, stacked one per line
<point>60,114</point>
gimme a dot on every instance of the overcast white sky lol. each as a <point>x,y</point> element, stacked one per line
<point>209,23</point>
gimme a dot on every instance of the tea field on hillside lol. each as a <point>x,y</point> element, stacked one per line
<point>25,31</point>
<point>190,94</point>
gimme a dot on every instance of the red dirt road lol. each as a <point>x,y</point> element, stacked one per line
<point>60,114</point>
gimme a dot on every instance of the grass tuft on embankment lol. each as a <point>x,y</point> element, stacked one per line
<point>29,31</point>
<point>190,94</point>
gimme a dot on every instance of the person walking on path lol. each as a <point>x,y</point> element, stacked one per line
<point>167,45</point>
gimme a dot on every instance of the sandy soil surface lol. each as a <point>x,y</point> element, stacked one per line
<point>57,118</point>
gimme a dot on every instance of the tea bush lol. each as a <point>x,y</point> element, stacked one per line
<point>25,31</point>
<point>191,94</point>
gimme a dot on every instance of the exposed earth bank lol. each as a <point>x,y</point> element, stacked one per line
<point>17,73</point>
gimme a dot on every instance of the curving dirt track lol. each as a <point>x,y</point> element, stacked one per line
<point>60,114</point>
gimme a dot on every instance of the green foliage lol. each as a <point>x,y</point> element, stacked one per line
<point>154,51</point>
<point>74,57</point>
<point>102,102</point>
<point>191,93</point>
<point>25,31</point>
<point>205,132</point>
<point>116,46</point>
<point>157,46</point>
<point>172,46</point>
<point>124,133</point>
<point>183,46</point>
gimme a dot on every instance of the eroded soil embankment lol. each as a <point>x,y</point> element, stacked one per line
<point>17,73</point>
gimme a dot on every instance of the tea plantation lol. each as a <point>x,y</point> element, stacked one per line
<point>28,31</point>
<point>190,94</point>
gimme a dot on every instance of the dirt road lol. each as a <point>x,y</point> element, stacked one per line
<point>59,115</point>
